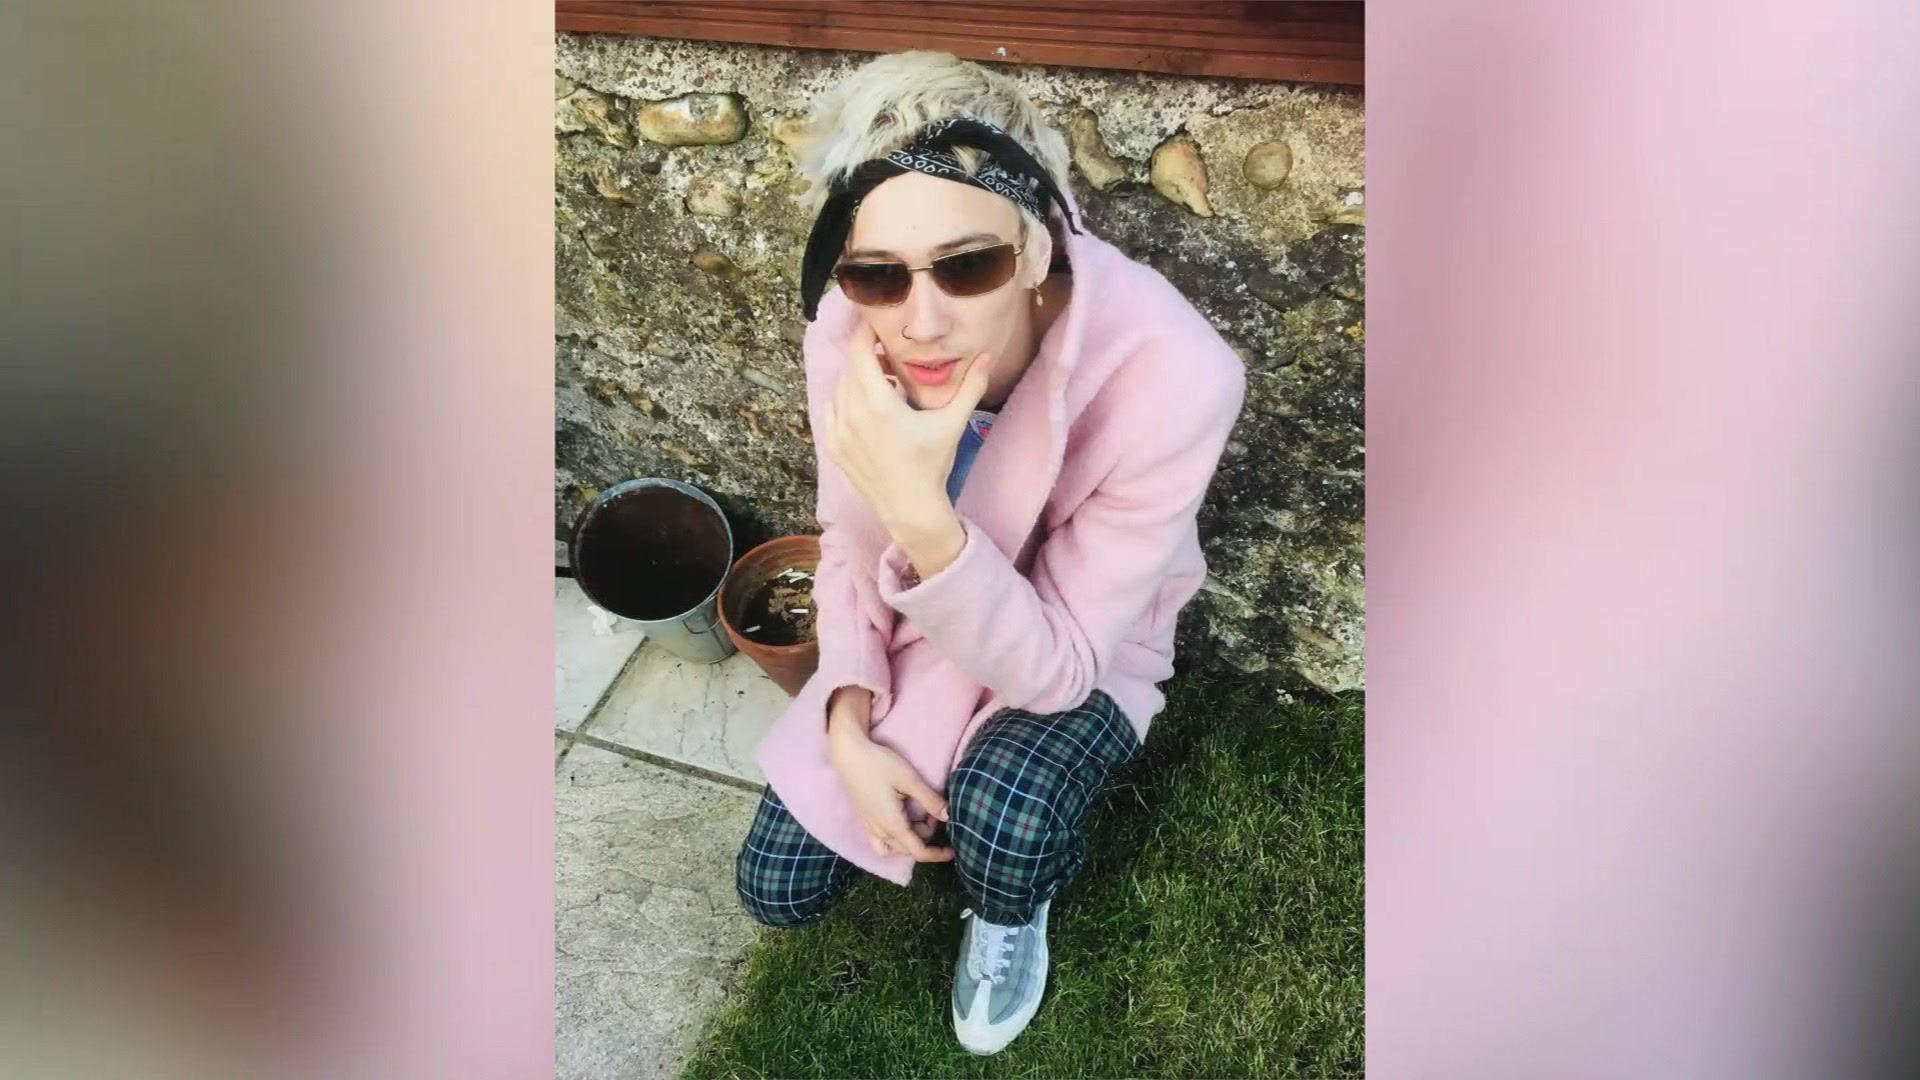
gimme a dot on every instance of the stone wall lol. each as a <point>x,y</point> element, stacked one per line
<point>677,325</point>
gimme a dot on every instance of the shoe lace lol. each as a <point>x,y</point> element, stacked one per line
<point>989,949</point>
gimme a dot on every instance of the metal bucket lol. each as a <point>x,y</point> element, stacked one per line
<point>657,551</point>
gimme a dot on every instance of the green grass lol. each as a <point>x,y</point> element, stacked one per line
<point>1215,930</point>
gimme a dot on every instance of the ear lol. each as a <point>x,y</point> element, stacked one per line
<point>1039,252</point>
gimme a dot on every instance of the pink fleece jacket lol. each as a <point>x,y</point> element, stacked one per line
<point>1081,545</point>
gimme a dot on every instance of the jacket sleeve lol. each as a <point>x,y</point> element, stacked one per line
<point>853,650</point>
<point>1043,642</point>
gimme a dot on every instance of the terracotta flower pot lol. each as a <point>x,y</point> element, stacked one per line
<point>789,666</point>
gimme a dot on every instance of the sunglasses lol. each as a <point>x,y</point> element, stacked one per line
<point>961,274</point>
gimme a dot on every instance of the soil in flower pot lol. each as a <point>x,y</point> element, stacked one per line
<point>781,611</point>
<point>766,606</point>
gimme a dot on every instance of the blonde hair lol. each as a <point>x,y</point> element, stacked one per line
<point>879,107</point>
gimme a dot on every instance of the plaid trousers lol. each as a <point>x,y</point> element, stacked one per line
<point>1017,808</point>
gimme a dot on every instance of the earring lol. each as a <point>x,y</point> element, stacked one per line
<point>1037,301</point>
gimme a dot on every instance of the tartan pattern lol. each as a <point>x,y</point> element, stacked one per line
<point>783,875</point>
<point>1018,804</point>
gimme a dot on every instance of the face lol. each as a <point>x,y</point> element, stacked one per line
<point>913,218</point>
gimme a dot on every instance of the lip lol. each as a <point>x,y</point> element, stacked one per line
<point>934,373</point>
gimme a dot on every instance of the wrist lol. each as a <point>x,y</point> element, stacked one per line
<point>931,539</point>
<point>847,716</point>
<point>919,516</point>
<point>846,750</point>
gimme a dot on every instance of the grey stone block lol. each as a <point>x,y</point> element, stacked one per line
<point>647,929</point>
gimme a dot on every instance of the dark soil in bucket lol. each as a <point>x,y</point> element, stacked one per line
<point>781,611</point>
<point>652,553</point>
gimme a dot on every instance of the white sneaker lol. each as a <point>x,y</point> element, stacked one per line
<point>998,980</point>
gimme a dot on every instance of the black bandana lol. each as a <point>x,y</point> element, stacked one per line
<point>1009,171</point>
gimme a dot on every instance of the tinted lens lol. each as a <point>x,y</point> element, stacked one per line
<point>877,284</point>
<point>971,273</point>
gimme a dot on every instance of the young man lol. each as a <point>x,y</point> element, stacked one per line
<point>1016,425</point>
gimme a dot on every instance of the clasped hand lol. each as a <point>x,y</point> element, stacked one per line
<point>878,782</point>
<point>898,457</point>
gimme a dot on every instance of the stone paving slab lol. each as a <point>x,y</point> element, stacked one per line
<point>591,647</point>
<point>708,715</point>
<point>647,929</point>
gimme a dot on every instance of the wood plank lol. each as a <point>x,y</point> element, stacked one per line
<point>878,18</point>
<point>1269,21</point>
<point>1194,63</point>
<point>1203,18</point>
<point>1322,43</point>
